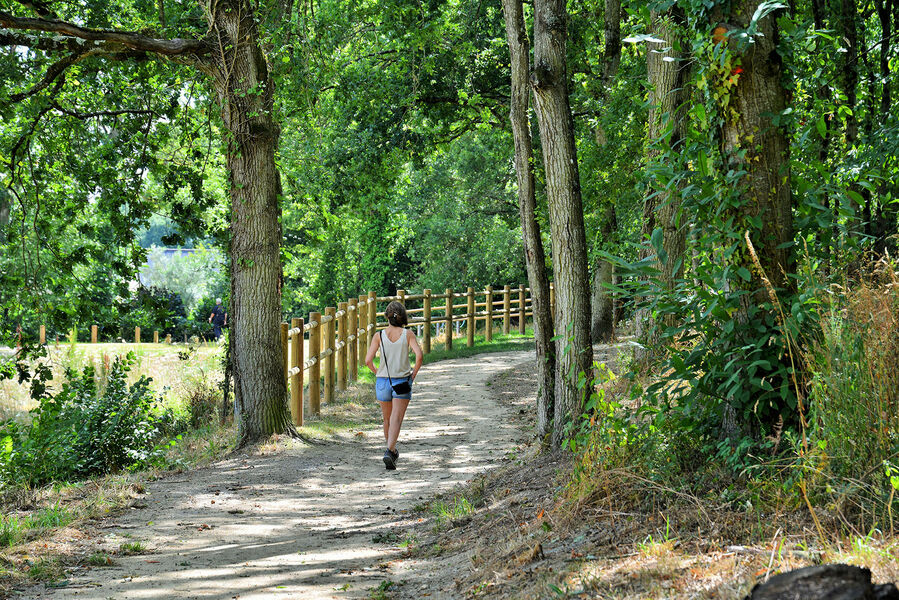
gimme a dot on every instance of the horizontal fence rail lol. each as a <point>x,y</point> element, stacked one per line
<point>329,349</point>
<point>338,340</point>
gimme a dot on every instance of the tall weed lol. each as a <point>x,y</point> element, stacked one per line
<point>854,395</point>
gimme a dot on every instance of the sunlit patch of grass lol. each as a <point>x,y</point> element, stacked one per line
<point>500,343</point>
<point>198,447</point>
<point>47,569</point>
<point>15,529</point>
<point>130,548</point>
<point>656,548</point>
<point>99,559</point>
<point>874,551</point>
<point>353,409</point>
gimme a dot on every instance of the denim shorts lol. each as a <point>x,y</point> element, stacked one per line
<point>385,393</point>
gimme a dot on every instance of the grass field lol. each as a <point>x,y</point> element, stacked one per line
<point>173,369</point>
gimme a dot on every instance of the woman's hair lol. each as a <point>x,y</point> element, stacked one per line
<point>396,314</point>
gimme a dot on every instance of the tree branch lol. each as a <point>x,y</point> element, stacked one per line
<point>8,38</point>
<point>101,113</point>
<point>135,41</point>
<point>55,70</point>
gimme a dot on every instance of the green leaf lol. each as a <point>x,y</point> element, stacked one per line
<point>822,127</point>
<point>657,240</point>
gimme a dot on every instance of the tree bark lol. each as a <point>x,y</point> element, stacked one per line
<point>535,259</point>
<point>574,354</point>
<point>245,91</point>
<point>661,208</point>
<point>751,142</point>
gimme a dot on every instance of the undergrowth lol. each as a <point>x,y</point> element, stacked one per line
<point>836,459</point>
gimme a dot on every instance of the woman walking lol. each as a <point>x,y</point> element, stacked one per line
<point>394,376</point>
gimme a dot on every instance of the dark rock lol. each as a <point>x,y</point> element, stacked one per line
<point>824,582</point>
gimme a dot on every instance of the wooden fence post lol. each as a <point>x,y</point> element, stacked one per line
<point>155,337</point>
<point>362,334</point>
<point>427,314</point>
<point>402,296</point>
<point>93,334</point>
<point>329,360</point>
<point>507,309</point>
<point>521,317</point>
<point>341,353</point>
<point>372,318</point>
<point>284,328</point>
<point>352,329</point>
<point>315,371</point>
<point>448,334</point>
<point>137,335</point>
<point>470,328</point>
<point>168,339</point>
<point>296,380</point>
<point>489,313</point>
<point>43,334</point>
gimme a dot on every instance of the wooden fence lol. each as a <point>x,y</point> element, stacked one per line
<point>339,339</point>
<point>42,335</point>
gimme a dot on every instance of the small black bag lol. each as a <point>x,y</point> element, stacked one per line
<point>402,388</point>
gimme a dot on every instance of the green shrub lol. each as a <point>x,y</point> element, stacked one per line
<point>85,429</point>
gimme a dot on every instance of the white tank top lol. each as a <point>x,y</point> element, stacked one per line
<point>395,356</point>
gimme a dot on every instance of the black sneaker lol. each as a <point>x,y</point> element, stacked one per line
<point>389,461</point>
<point>396,455</point>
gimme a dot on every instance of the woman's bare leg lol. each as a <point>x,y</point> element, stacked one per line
<point>386,408</point>
<point>396,421</point>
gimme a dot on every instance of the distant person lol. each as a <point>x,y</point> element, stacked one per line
<point>218,318</point>
<point>394,372</point>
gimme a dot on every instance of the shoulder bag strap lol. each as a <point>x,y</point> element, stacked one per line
<point>384,357</point>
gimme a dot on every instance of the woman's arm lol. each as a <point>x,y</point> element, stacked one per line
<point>413,344</point>
<point>370,355</point>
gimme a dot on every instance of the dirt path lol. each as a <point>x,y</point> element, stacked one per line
<point>302,523</point>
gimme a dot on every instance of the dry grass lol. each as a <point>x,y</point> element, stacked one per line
<point>45,554</point>
<point>854,403</point>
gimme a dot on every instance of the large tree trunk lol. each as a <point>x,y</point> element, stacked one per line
<point>535,258</point>
<point>246,93</point>
<point>574,354</point>
<point>751,142</point>
<point>667,76</point>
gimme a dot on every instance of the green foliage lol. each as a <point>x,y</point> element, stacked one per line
<point>91,426</point>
